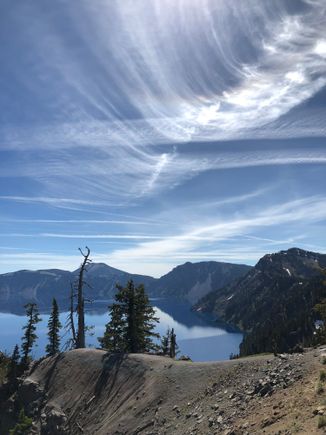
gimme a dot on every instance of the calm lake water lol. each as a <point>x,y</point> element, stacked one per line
<point>197,336</point>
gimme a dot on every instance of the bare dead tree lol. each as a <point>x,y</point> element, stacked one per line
<point>71,314</point>
<point>80,337</point>
<point>70,322</point>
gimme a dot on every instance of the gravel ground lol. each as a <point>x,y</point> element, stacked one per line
<point>87,391</point>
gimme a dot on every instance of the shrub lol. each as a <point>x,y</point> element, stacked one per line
<point>321,421</point>
<point>23,425</point>
<point>4,361</point>
<point>322,376</point>
<point>320,388</point>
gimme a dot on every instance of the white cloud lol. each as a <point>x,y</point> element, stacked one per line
<point>320,48</point>
<point>130,106</point>
<point>230,239</point>
<point>81,221</point>
<point>306,210</point>
<point>51,201</point>
<point>83,236</point>
<point>132,158</point>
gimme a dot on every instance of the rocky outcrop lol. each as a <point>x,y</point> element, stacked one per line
<point>53,421</point>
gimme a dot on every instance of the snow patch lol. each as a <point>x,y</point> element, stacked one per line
<point>48,273</point>
<point>287,270</point>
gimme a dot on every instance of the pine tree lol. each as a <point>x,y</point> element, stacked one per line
<point>113,339</point>
<point>169,343</point>
<point>131,328</point>
<point>144,323</point>
<point>165,342</point>
<point>23,426</point>
<point>173,344</point>
<point>13,366</point>
<point>30,336</point>
<point>54,326</point>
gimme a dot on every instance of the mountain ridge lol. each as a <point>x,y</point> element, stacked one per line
<point>273,302</point>
<point>42,285</point>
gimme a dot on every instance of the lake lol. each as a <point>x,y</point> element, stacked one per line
<point>198,336</point>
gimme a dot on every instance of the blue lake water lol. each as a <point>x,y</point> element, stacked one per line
<point>198,337</point>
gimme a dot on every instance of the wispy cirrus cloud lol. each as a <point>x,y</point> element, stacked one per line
<point>236,96</point>
<point>141,174</point>
<point>234,239</point>
<point>80,221</point>
<point>51,201</point>
<point>305,211</point>
<point>161,110</point>
<point>83,236</point>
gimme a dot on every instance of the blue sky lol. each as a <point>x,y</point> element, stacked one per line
<point>161,131</point>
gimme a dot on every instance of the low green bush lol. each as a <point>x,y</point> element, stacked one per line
<point>321,421</point>
<point>320,388</point>
<point>23,425</point>
<point>322,376</point>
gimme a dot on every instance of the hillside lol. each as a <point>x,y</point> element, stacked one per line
<point>187,282</point>
<point>273,302</point>
<point>192,281</point>
<point>90,392</point>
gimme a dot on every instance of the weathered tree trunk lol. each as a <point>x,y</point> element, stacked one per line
<point>71,316</point>
<point>80,339</point>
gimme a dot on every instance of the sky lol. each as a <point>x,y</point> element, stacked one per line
<point>161,131</point>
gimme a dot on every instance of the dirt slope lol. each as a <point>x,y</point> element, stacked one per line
<point>89,392</point>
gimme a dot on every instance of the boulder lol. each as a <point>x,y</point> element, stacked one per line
<point>54,421</point>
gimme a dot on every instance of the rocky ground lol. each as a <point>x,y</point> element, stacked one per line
<point>89,392</point>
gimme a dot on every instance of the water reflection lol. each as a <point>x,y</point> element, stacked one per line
<point>198,336</point>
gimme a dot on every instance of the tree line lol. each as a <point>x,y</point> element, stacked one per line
<point>131,328</point>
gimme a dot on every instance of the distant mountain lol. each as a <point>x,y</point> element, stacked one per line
<point>18,288</point>
<point>187,282</point>
<point>192,281</point>
<point>273,302</point>
<point>102,280</point>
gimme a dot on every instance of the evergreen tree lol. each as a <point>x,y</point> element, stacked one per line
<point>131,328</point>
<point>23,426</point>
<point>169,344</point>
<point>54,326</point>
<point>165,342</point>
<point>320,309</point>
<point>141,337</point>
<point>113,339</point>
<point>13,366</point>
<point>30,336</point>
<point>173,344</point>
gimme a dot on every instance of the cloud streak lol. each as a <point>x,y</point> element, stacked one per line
<point>169,112</point>
<point>305,210</point>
